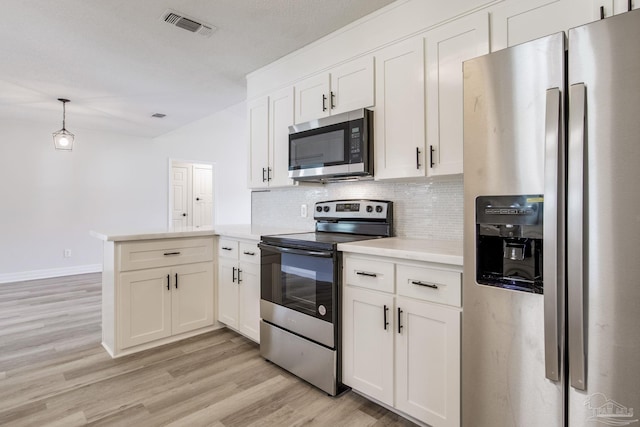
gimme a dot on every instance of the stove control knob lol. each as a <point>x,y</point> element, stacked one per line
<point>326,208</point>
<point>378,208</point>
<point>318,208</point>
<point>369,208</point>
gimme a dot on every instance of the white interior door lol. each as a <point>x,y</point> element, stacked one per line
<point>202,195</point>
<point>180,197</point>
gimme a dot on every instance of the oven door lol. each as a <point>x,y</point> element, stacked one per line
<point>298,291</point>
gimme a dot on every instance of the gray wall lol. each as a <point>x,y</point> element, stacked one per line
<point>425,209</point>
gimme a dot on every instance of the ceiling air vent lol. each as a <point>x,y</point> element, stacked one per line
<point>188,23</point>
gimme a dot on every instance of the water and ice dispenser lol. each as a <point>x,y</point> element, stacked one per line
<point>509,242</point>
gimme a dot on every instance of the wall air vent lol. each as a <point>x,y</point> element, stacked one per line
<point>188,23</point>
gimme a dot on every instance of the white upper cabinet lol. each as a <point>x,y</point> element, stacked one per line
<point>447,47</point>
<point>399,115</point>
<point>345,88</point>
<point>280,118</point>
<point>515,22</point>
<point>269,119</point>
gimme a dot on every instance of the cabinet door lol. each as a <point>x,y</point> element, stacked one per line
<point>312,98</point>
<point>352,86</point>
<point>367,358</point>
<point>145,301</point>
<point>516,22</point>
<point>258,118</point>
<point>192,299</point>
<point>280,118</point>
<point>446,48</point>
<point>399,113</point>
<point>228,292</point>
<point>249,300</point>
<point>428,362</point>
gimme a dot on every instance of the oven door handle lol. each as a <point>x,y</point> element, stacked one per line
<point>323,254</point>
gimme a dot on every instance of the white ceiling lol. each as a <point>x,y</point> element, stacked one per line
<point>119,63</point>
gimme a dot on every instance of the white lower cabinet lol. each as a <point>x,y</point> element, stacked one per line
<point>161,302</point>
<point>404,351</point>
<point>239,286</point>
<point>155,292</point>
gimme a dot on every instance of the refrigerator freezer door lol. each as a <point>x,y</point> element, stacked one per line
<point>503,340</point>
<point>604,56</point>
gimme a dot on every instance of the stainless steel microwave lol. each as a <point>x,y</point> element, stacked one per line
<point>332,148</point>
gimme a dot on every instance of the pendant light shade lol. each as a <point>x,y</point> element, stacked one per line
<point>63,139</point>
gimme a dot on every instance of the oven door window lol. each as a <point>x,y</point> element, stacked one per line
<point>303,283</point>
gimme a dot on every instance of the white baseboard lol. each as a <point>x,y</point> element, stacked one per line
<point>51,272</point>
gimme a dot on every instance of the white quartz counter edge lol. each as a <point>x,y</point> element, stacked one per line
<point>439,251</point>
<point>238,231</point>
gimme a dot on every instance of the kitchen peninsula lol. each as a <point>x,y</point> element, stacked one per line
<point>160,286</point>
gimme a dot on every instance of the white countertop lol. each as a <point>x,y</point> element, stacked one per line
<point>440,251</point>
<point>239,231</point>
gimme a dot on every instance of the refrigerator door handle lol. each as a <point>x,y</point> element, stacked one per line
<point>575,236</point>
<point>553,232</point>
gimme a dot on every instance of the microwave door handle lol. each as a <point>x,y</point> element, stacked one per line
<point>322,254</point>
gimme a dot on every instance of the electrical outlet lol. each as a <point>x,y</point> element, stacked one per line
<point>67,253</point>
<point>303,211</point>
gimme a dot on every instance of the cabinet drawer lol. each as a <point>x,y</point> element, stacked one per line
<point>228,248</point>
<point>166,252</point>
<point>429,284</point>
<point>249,252</point>
<point>370,274</point>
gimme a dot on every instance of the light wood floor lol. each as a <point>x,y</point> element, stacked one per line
<point>54,372</point>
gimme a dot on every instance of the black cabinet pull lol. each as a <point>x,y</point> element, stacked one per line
<point>431,164</point>
<point>171,253</point>
<point>249,253</point>
<point>324,102</point>
<point>399,320</point>
<point>386,322</point>
<point>629,5</point>
<point>333,97</point>
<point>428,285</point>
<point>233,279</point>
<point>268,174</point>
<point>168,282</point>
<point>417,157</point>
<point>601,12</point>
<point>264,171</point>
<point>176,280</point>
<point>239,279</point>
<point>184,214</point>
<point>364,273</point>
<point>197,199</point>
<point>225,248</point>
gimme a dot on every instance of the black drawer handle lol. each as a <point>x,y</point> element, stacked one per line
<point>176,280</point>
<point>399,320</point>
<point>249,253</point>
<point>239,279</point>
<point>168,282</point>
<point>233,279</point>
<point>428,285</point>
<point>364,273</point>
<point>171,253</point>
<point>224,248</point>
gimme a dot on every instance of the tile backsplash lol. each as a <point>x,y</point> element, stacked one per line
<point>425,209</point>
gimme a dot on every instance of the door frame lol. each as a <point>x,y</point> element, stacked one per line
<point>214,186</point>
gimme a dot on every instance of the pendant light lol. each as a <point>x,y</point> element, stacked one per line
<point>63,139</point>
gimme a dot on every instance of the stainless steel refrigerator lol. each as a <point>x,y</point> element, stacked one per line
<point>551,293</point>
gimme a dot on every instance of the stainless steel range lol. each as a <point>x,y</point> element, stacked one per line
<point>301,287</point>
